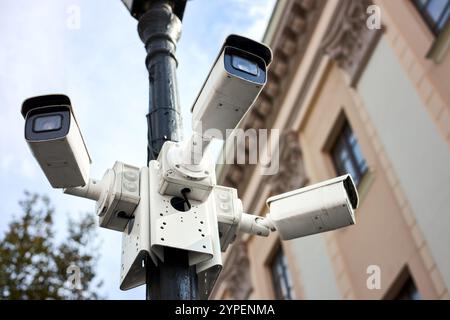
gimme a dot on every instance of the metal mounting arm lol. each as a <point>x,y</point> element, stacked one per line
<point>92,190</point>
<point>255,225</point>
<point>194,149</point>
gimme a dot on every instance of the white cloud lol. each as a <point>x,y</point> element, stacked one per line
<point>260,15</point>
<point>6,161</point>
<point>27,168</point>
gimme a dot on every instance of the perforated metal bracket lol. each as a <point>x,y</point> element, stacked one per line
<point>157,224</point>
<point>190,230</point>
<point>136,240</point>
<point>208,271</point>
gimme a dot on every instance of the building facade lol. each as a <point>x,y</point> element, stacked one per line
<point>353,93</point>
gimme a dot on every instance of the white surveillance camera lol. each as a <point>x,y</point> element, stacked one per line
<point>233,84</point>
<point>54,137</point>
<point>314,209</point>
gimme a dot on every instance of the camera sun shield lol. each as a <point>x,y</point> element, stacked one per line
<point>55,140</point>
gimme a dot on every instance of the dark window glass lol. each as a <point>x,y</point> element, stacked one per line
<point>347,155</point>
<point>281,278</point>
<point>434,12</point>
<point>408,291</point>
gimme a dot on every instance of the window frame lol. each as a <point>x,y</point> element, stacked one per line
<point>280,259</point>
<point>342,138</point>
<point>399,284</point>
<point>430,22</point>
<point>408,290</point>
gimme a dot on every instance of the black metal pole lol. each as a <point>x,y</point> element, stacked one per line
<point>160,29</point>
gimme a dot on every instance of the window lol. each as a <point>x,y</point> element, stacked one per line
<point>434,12</point>
<point>408,291</point>
<point>403,287</point>
<point>347,156</point>
<point>281,278</point>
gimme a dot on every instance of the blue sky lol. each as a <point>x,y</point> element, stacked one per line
<point>100,66</point>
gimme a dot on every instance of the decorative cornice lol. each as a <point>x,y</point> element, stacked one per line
<point>291,174</point>
<point>236,272</point>
<point>235,277</point>
<point>348,40</point>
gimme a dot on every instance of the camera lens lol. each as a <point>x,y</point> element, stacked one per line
<point>244,65</point>
<point>47,123</point>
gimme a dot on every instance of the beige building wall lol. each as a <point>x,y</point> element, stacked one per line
<point>393,91</point>
<point>381,236</point>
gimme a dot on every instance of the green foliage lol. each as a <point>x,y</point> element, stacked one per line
<point>33,265</point>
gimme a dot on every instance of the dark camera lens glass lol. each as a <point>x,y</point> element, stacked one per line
<point>47,123</point>
<point>245,65</point>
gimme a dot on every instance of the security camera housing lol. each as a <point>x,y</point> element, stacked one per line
<point>54,137</point>
<point>314,209</point>
<point>232,86</point>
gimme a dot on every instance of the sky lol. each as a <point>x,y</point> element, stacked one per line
<point>90,51</point>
